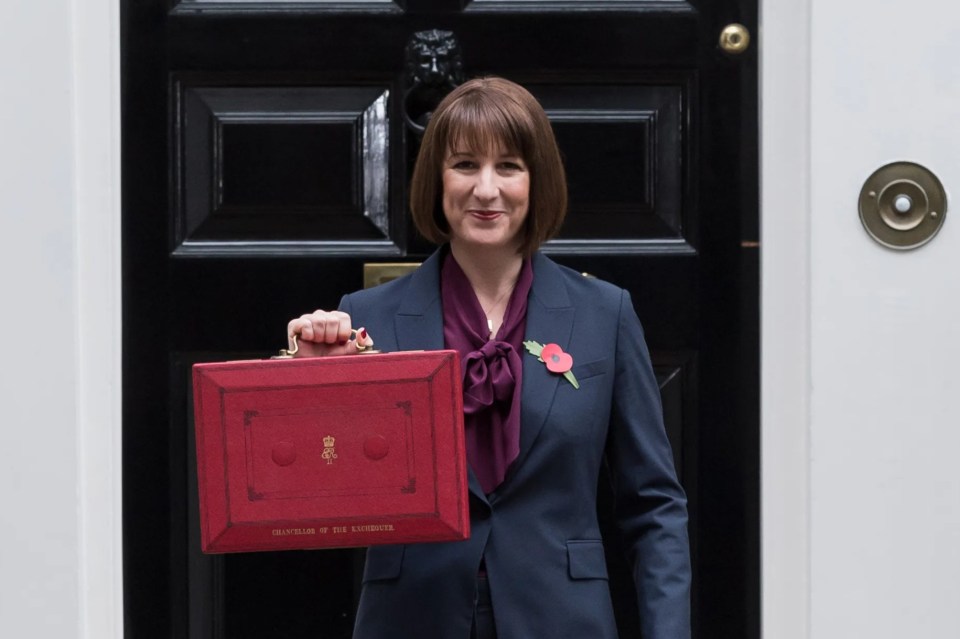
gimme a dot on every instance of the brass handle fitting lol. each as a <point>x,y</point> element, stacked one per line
<point>734,39</point>
<point>286,353</point>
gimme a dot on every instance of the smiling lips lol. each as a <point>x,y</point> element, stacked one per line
<point>486,215</point>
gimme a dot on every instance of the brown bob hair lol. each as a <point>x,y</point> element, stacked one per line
<point>482,114</point>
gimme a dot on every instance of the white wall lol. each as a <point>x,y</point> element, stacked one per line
<point>866,493</point>
<point>38,437</point>
<point>59,282</point>
<point>885,431</point>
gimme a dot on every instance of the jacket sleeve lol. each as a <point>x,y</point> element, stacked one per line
<point>651,507</point>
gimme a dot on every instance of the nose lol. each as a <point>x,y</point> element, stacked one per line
<point>486,187</point>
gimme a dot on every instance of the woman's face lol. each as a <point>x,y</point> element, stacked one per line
<point>486,196</point>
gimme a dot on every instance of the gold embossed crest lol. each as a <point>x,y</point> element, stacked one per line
<point>329,452</point>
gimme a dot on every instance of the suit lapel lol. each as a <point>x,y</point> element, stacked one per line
<point>419,323</point>
<point>550,318</point>
<point>419,320</point>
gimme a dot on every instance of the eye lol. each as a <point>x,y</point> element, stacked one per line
<point>511,166</point>
<point>464,165</point>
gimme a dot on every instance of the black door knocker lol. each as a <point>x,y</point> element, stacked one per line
<point>434,68</point>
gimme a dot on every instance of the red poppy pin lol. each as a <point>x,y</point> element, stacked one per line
<point>555,359</point>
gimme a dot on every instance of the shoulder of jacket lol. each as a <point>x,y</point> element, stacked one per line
<point>381,295</point>
<point>587,285</point>
<point>394,291</point>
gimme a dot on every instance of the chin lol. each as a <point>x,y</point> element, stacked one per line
<point>494,242</point>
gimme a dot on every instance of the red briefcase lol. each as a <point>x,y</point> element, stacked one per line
<point>330,452</point>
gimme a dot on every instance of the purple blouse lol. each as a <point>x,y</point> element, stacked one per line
<point>492,370</point>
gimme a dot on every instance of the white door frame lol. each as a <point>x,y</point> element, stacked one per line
<point>96,65</point>
<point>785,134</point>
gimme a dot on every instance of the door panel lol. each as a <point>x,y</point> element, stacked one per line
<point>266,160</point>
<point>626,149</point>
<point>267,170</point>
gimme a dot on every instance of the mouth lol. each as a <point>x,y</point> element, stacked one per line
<point>485,214</point>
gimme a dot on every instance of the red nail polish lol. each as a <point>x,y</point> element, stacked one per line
<point>363,333</point>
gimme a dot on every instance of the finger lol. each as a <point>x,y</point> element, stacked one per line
<point>314,330</point>
<point>301,327</point>
<point>328,329</point>
<point>336,327</point>
<point>344,330</point>
<point>363,342</point>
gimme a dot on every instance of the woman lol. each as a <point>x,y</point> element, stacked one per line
<point>489,187</point>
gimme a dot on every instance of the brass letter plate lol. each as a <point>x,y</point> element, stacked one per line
<point>377,274</point>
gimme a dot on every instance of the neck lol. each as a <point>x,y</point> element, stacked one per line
<point>490,271</point>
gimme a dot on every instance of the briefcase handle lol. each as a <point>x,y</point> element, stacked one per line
<point>285,353</point>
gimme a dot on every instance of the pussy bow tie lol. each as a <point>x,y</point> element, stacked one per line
<point>487,377</point>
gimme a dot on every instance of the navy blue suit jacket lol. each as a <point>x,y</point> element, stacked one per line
<point>538,531</point>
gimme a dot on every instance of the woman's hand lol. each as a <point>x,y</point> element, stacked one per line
<point>325,333</point>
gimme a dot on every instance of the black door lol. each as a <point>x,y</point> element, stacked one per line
<point>266,152</point>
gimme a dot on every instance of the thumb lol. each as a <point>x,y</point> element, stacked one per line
<point>363,342</point>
